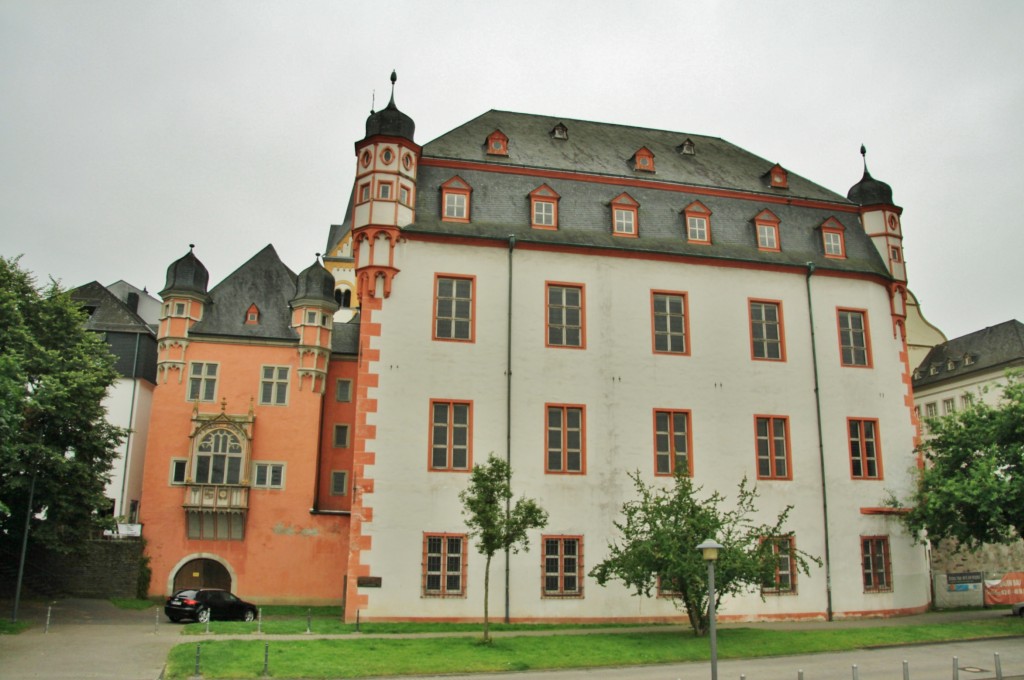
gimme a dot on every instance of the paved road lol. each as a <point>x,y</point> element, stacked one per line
<point>93,640</point>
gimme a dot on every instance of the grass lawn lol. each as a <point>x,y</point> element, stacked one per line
<point>426,655</point>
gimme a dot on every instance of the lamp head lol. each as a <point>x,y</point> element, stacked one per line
<point>710,549</point>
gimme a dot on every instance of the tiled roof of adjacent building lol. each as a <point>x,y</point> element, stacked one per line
<point>992,348</point>
<point>107,313</point>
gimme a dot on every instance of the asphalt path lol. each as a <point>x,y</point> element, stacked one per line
<point>93,640</point>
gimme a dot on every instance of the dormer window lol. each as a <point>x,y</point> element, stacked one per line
<point>497,143</point>
<point>832,238</point>
<point>968,359</point>
<point>687,148</point>
<point>544,208</point>
<point>778,178</point>
<point>560,132</point>
<point>767,225</point>
<point>643,160</point>
<point>625,215</point>
<point>933,369</point>
<point>917,374</point>
<point>950,365</point>
<point>698,223</point>
<point>252,315</point>
<point>455,194</point>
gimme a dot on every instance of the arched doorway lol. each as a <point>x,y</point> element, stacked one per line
<point>202,573</point>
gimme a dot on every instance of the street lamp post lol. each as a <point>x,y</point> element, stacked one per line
<point>710,549</point>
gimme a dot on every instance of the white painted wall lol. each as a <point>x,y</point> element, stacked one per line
<point>621,381</point>
<point>125,483</point>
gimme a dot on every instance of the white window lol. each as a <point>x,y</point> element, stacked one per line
<point>202,382</point>
<point>274,386</point>
<point>268,475</point>
<point>455,206</point>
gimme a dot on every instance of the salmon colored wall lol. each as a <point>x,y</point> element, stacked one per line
<point>288,554</point>
<point>331,457</point>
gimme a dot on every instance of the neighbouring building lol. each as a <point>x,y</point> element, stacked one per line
<point>583,299</point>
<point>126,318</point>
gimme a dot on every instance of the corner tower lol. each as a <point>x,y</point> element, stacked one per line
<point>185,299</point>
<point>385,193</point>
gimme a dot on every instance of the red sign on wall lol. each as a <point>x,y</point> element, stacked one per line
<point>1008,590</point>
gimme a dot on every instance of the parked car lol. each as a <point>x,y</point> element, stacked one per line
<point>204,604</point>
<point>1018,609</point>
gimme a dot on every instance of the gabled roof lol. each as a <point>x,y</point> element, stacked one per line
<point>992,348</point>
<point>264,281</point>
<point>107,313</point>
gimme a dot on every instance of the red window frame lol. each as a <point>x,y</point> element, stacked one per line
<point>766,445</point>
<point>546,195</point>
<point>833,227</point>
<point>628,206</point>
<point>667,438</point>
<point>768,220</point>
<point>438,562</point>
<point>876,564</point>
<point>566,322</point>
<point>561,569</point>
<point>790,570</point>
<point>560,444</point>
<point>456,187</point>
<point>665,316</point>
<point>643,160</point>
<point>865,448</point>
<point>457,304</point>
<point>778,177</point>
<point>765,325</point>
<point>849,349</point>
<point>697,210</point>
<point>446,436</point>
<point>497,143</point>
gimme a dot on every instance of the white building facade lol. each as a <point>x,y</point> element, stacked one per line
<point>589,300</point>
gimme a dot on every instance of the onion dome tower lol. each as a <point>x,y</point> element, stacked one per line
<point>387,159</point>
<point>185,299</point>
<point>881,220</point>
<point>313,310</point>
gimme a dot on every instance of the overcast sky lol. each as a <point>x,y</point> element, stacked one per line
<point>130,129</point>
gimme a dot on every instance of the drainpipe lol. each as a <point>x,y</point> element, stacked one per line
<point>821,445</point>
<point>508,413</point>
<point>131,426</point>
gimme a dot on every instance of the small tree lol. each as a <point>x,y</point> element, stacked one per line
<point>972,488</point>
<point>494,521</point>
<point>55,443</point>
<point>660,532</point>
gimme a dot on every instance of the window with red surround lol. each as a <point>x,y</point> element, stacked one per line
<point>672,443</point>
<point>454,308</point>
<point>876,567</point>
<point>778,177</point>
<point>565,427</point>
<point>252,315</point>
<point>865,451</point>
<point>565,312</point>
<point>363,193</point>
<point>562,566</point>
<point>643,160</point>
<point>669,317</point>
<point>854,339</point>
<point>455,203</point>
<point>544,208</point>
<point>698,223</point>
<point>625,216</point>
<point>772,443</point>
<point>497,143</point>
<point>444,565</point>
<point>767,340</point>
<point>783,581</point>
<point>832,238</point>
<point>767,226</point>
<point>451,434</point>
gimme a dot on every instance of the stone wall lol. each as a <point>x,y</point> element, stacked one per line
<point>105,568</point>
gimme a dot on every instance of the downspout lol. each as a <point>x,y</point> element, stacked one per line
<point>131,424</point>
<point>508,414</point>
<point>821,445</point>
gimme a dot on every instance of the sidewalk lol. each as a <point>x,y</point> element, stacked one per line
<point>93,640</point>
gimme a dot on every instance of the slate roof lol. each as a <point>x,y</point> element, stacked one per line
<point>991,348</point>
<point>600,153</point>
<point>107,313</point>
<point>345,337</point>
<point>264,281</point>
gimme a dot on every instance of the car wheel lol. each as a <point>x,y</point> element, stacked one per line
<point>249,616</point>
<point>203,616</point>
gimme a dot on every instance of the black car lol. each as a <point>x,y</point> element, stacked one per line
<point>204,604</point>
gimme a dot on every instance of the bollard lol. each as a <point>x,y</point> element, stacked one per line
<point>197,661</point>
<point>999,668</point>
<point>47,628</point>
<point>259,620</point>
<point>357,620</point>
<point>308,622</point>
<point>956,668</point>
<point>800,674</point>
<point>208,625</point>
<point>856,672</point>
<point>906,670</point>
<point>156,621</point>
<point>266,659</point>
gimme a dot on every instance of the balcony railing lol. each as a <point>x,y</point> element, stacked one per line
<point>217,497</point>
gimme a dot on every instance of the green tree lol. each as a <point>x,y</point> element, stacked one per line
<point>659,535</point>
<point>494,521</point>
<point>53,432</point>
<point>971,489</point>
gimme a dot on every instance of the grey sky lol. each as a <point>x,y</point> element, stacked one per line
<point>130,129</point>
